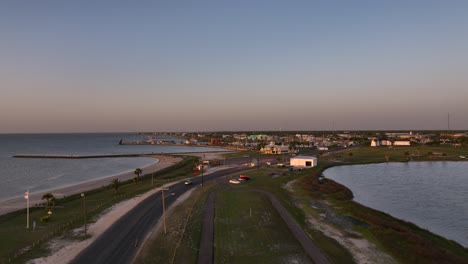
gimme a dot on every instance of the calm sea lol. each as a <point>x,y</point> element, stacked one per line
<point>18,174</point>
<point>432,195</point>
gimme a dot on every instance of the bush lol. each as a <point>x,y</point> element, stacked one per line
<point>44,219</point>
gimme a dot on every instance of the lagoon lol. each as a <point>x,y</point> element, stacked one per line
<point>432,195</point>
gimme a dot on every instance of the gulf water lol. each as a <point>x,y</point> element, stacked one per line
<point>432,195</point>
<point>39,175</point>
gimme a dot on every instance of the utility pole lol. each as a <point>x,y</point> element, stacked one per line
<point>26,196</point>
<point>202,174</point>
<point>84,211</point>
<point>164,210</point>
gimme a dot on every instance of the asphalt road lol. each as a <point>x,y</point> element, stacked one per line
<point>118,243</point>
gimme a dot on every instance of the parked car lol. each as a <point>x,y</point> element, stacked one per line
<point>188,182</point>
<point>234,181</point>
<point>245,177</point>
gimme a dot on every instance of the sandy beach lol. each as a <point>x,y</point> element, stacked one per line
<point>35,198</point>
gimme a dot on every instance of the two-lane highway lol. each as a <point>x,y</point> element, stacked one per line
<point>118,244</point>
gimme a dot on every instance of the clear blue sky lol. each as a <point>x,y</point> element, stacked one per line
<point>104,66</point>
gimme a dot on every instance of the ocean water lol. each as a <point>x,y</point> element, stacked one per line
<point>432,195</point>
<point>19,174</point>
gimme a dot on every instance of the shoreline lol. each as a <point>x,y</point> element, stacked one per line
<point>18,203</point>
<point>383,210</point>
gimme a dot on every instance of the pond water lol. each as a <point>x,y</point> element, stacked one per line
<point>432,195</point>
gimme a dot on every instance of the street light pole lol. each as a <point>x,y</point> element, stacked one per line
<point>164,208</point>
<point>164,211</point>
<point>258,159</point>
<point>202,175</point>
<point>84,211</point>
<point>26,196</point>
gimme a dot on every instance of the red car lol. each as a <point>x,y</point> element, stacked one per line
<point>245,177</point>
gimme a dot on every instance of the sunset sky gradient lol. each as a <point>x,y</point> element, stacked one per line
<point>114,66</point>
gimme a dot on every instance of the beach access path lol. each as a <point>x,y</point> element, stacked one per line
<point>15,204</point>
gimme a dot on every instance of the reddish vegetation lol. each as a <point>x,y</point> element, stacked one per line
<point>406,241</point>
<point>409,241</point>
<point>325,188</point>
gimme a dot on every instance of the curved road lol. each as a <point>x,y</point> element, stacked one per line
<point>118,243</point>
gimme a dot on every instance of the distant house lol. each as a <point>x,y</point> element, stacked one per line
<point>258,137</point>
<point>216,141</point>
<point>386,143</point>
<point>402,143</point>
<point>376,143</point>
<point>303,161</point>
<point>274,149</point>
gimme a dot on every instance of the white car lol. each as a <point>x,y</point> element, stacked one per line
<point>234,181</point>
<point>188,182</point>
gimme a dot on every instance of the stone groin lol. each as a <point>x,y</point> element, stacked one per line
<point>47,156</point>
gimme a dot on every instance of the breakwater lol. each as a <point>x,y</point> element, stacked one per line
<point>61,156</point>
<point>51,156</point>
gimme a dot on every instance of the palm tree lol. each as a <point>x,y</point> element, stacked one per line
<point>196,162</point>
<point>138,172</point>
<point>260,146</point>
<point>115,184</point>
<point>53,201</point>
<point>47,197</point>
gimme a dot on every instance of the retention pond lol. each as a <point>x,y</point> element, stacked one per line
<point>432,195</point>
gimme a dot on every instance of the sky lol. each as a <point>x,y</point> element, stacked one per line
<point>247,65</point>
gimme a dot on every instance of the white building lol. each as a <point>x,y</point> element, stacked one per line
<point>401,143</point>
<point>303,161</point>
<point>274,149</point>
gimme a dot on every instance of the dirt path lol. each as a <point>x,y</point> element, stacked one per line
<point>206,250</point>
<point>309,246</point>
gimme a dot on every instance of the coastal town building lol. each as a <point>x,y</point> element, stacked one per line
<point>303,161</point>
<point>384,142</point>
<point>275,149</point>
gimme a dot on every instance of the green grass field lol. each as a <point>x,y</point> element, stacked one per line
<point>233,207</point>
<point>249,230</point>
<point>181,243</point>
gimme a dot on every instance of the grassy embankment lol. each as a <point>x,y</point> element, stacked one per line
<point>239,236</point>
<point>405,241</point>
<point>18,244</point>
